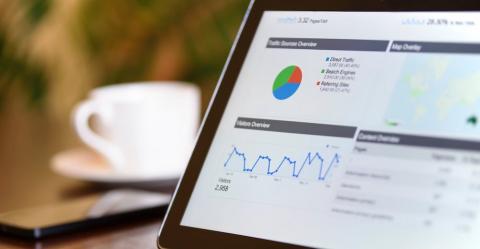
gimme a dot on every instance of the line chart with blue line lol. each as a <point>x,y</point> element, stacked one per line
<point>265,164</point>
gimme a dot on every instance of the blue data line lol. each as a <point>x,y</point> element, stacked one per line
<point>309,160</point>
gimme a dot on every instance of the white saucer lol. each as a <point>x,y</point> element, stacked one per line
<point>86,165</point>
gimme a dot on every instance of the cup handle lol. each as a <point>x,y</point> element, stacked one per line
<point>81,117</point>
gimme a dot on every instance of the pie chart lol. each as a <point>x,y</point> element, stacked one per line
<point>287,82</point>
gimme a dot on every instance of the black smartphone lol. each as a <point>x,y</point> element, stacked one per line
<point>85,212</point>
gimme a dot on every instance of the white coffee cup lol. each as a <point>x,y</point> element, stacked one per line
<point>141,128</point>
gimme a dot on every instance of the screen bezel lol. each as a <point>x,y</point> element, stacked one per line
<point>172,234</point>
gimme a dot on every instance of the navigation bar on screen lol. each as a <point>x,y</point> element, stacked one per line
<point>296,127</point>
<point>328,44</point>
<point>434,47</point>
<point>373,45</point>
<point>416,140</point>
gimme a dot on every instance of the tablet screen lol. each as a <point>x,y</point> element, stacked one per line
<point>350,130</point>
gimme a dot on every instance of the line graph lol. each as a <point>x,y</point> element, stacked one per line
<point>310,161</point>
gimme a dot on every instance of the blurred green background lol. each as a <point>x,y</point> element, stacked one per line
<point>53,52</point>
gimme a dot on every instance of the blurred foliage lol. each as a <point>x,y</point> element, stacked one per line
<point>135,28</point>
<point>36,10</point>
<point>16,66</point>
<point>130,40</point>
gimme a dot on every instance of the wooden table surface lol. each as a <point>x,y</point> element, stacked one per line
<point>139,234</point>
<point>26,180</point>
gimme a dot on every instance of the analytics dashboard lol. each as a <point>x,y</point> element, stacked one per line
<point>350,130</point>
